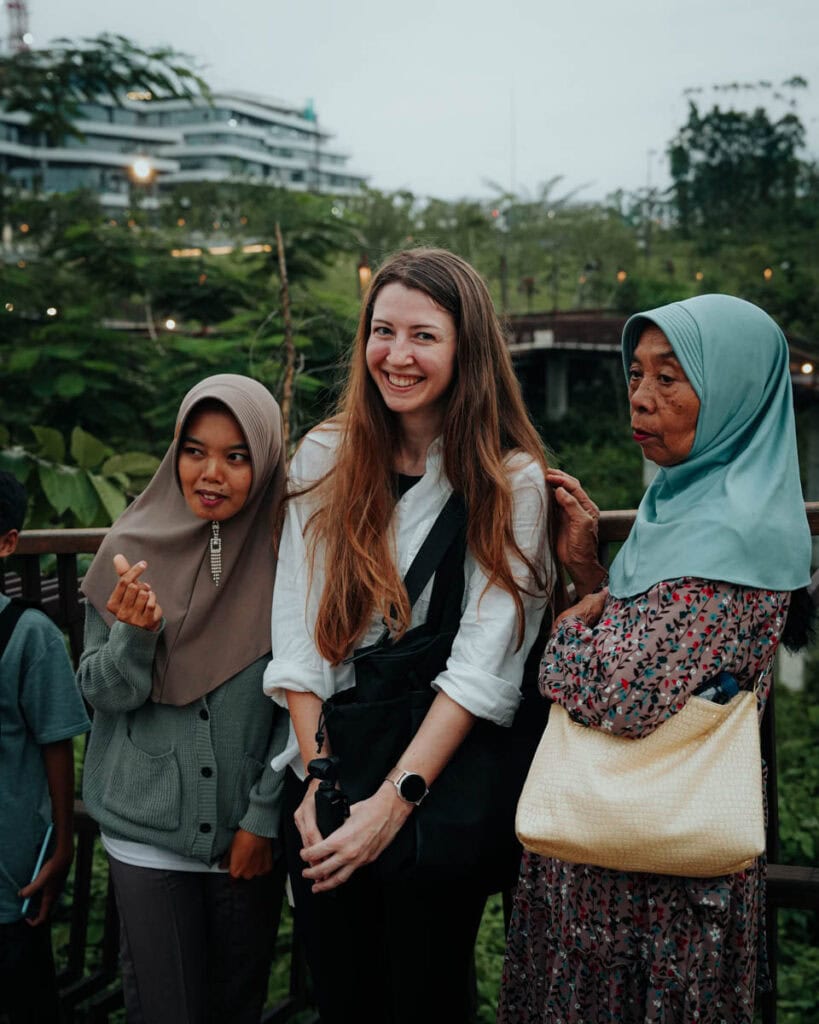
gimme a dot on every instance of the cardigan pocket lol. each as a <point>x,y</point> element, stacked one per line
<point>249,773</point>
<point>145,789</point>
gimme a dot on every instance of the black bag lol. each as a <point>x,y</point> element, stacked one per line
<point>465,826</point>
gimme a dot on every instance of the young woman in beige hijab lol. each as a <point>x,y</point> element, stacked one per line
<point>177,771</point>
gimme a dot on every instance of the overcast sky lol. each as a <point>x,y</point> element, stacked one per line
<point>441,96</point>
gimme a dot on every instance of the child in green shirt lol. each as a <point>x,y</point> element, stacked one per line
<point>40,712</point>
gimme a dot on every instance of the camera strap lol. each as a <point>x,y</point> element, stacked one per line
<point>436,544</point>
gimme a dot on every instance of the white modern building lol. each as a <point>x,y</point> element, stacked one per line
<point>236,137</point>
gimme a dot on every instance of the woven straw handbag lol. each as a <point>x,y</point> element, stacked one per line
<point>684,800</point>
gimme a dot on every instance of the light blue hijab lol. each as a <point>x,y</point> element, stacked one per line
<point>733,510</point>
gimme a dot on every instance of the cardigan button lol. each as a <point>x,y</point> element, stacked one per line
<point>207,772</point>
<point>204,827</point>
<point>203,714</point>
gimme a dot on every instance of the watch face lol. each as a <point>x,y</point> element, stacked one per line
<point>413,787</point>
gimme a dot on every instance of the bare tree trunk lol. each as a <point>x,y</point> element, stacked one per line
<point>149,318</point>
<point>289,347</point>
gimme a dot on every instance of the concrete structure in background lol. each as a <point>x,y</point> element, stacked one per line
<point>160,143</point>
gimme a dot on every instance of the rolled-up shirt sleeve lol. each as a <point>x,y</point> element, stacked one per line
<point>296,663</point>
<point>485,668</point>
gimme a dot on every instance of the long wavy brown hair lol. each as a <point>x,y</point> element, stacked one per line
<point>485,421</point>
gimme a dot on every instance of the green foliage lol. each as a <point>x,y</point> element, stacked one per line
<point>382,222</point>
<point>797,741</point>
<point>798,962</point>
<point>730,167</point>
<point>313,227</point>
<point>646,291</point>
<point>797,738</point>
<point>50,85</point>
<point>610,473</point>
<point>92,490</point>
<point>489,950</point>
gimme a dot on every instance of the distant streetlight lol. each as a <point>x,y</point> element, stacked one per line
<point>365,275</point>
<point>767,273</point>
<point>142,175</point>
<point>621,276</point>
<point>51,311</point>
<point>806,368</point>
<point>170,324</point>
<point>142,170</point>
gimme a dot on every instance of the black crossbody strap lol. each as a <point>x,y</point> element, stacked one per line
<point>436,544</point>
<point>431,554</point>
<point>8,620</point>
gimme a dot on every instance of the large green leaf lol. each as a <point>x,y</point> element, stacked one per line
<point>52,446</point>
<point>113,500</point>
<point>23,359</point>
<point>70,385</point>
<point>86,450</point>
<point>132,463</point>
<point>16,461</point>
<point>310,385</point>
<point>69,488</point>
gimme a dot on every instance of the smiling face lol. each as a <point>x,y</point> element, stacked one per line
<point>213,465</point>
<point>664,405</point>
<point>411,353</point>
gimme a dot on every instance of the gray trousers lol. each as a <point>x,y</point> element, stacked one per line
<point>195,947</point>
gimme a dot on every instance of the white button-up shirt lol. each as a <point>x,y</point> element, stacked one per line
<point>483,673</point>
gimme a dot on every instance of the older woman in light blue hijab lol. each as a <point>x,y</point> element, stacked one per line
<point>732,509</point>
<point>701,586</point>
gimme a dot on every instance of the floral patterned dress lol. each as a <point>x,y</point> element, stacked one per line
<point>589,945</point>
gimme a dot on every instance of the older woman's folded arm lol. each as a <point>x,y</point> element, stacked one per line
<point>648,654</point>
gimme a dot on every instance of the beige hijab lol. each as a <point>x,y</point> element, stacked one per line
<point>210,633</point>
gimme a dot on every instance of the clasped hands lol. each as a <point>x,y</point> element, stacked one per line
<point>372,825</point>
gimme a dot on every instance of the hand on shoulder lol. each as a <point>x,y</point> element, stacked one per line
<point>577,531</point>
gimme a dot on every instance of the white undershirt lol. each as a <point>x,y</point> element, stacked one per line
<point>143,855</point>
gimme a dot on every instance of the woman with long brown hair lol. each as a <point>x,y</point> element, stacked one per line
<point>431,408</point>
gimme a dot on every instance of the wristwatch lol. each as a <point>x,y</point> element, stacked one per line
<point>410,786</point>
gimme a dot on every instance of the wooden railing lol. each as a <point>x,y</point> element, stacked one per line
<point>97,992</point>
